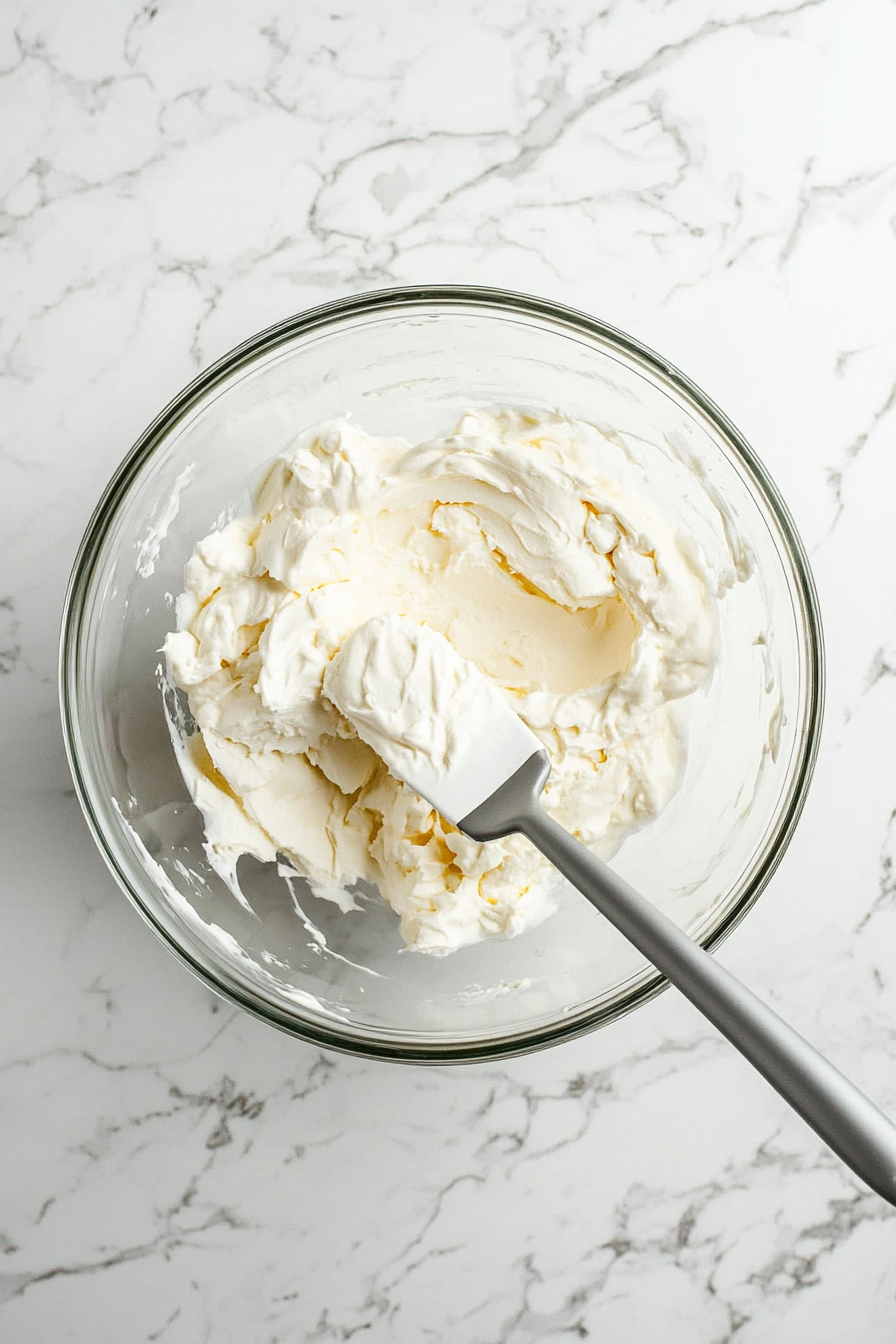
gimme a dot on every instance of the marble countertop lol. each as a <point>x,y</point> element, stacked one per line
<point>718,180</point>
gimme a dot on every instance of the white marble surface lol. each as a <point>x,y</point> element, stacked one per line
<point>718,179</point>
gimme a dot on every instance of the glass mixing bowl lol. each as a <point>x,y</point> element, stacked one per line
<point>408,362</point>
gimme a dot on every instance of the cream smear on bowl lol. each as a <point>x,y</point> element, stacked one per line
<point>536,545</point>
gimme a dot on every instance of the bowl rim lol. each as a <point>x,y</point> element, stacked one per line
<point>334,313</point>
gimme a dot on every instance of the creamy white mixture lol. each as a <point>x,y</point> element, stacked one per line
<point>536,547</point>
<point>429,714</point>
<point>406,696</point>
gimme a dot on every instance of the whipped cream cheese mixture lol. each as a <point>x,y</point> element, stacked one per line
<point>429,714</point>
<point>534,544</point>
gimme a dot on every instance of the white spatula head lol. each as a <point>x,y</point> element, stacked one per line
<point>430,714</point>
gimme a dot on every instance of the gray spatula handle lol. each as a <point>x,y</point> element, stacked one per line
<point>847,1121</point>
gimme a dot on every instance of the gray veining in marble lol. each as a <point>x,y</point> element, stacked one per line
<point>718,179</point>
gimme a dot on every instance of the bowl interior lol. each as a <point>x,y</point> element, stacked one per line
<point>411,365</point>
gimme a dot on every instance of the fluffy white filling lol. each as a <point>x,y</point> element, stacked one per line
<point>535,546</point>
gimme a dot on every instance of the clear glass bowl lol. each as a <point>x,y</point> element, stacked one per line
<point>409,362</point>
